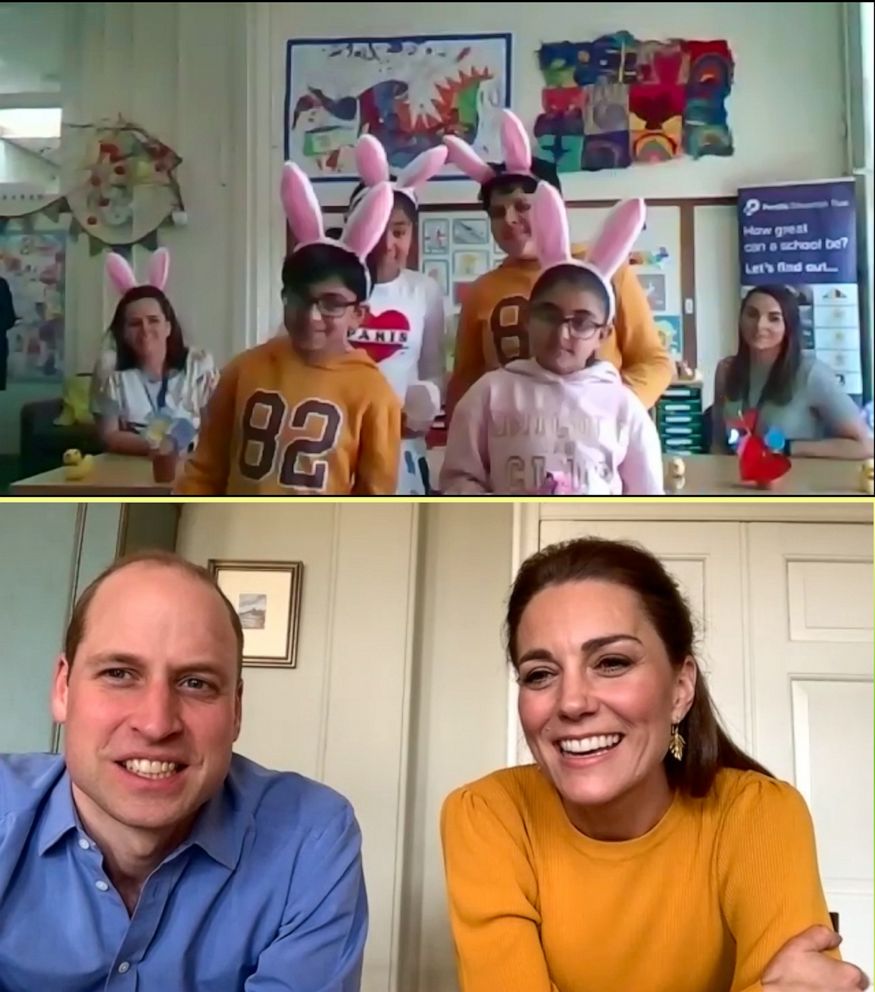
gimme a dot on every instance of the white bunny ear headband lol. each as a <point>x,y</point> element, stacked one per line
<point>373,168</point>
<point>606,254</point>
<point>363,229</point>
<point>515,145</point>
<point>121,275</point>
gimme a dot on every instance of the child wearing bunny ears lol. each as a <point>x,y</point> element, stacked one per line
<point>306,413</point>
<point>563,418</point>
<point>404,325</point>
<point>491,329</point>
<point>153,374</point>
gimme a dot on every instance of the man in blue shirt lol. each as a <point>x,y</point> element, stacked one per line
<point>150,857</point>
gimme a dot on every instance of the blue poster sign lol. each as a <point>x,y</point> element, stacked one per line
<point>804,236</point>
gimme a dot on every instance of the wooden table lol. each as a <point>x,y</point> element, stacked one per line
<point>717,475</point>
<point>706,475</point>
<point>112,475</point>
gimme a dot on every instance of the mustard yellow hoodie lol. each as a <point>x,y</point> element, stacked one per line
<point>492,332</point>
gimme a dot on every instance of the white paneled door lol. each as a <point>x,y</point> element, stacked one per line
<point>811,638</point>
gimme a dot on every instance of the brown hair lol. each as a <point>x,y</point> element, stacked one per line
<point>126,357</point>
<point>709,747</point>
<point>76,627</point>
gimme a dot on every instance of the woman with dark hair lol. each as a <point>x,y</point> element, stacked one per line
<point>792,392</point>
<point>155,374</point>
<point>643,850</point>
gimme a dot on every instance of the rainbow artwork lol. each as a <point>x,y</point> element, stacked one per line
<point>617,101</point>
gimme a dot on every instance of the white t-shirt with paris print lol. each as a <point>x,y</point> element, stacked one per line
<point>403,331</point>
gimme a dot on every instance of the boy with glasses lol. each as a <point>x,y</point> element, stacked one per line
<point>306,413</point>
<point>563,420</point>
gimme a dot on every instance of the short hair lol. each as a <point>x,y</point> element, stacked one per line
<point>504,181</point>
<point>313,263</point>
<point>153,556</point>
<point>574,275</point>
<point>177,352</point>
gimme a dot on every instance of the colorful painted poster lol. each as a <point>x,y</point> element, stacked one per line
<point>34,266</point>
<point>615,101</point>
<point>804,236</point>
<point>406,91</point>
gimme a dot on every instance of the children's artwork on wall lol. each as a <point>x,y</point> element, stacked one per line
<point>616,101</point>
<point>439,270</point>
<point>471,232</point>
<point>407,91</point>
<point>653,284</point>
<point>468,264</point>
<point>34,266</point>
<point>435,235</point>
<point>670,330</point>
<point>461,242</point>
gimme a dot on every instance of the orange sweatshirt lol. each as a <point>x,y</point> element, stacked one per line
<point>703,901</point>
<point>491,331</point>
<point>277,425</point>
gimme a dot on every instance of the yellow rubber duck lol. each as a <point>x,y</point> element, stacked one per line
<point>76,465</point>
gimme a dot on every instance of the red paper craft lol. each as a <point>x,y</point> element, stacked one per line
<point>756,462</point>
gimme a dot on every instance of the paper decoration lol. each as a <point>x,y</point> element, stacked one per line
<point>407,91</point>
<point>124,185</point>
<point>760,459</point>
<point>616,101</point>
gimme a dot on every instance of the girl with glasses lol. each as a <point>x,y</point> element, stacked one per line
<point>561,421</point>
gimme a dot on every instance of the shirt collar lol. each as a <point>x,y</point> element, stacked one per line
<point>59,817</point>
<point>219,829</point>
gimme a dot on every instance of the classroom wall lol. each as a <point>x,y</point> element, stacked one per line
<point>213,87</point>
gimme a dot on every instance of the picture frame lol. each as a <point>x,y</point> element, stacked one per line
<point>267,598</point>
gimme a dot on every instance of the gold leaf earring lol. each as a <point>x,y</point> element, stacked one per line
<point>676,743</point>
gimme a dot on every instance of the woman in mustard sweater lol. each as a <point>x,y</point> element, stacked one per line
<point>643,852</point>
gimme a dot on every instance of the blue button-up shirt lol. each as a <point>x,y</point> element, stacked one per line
<point>266,895</point>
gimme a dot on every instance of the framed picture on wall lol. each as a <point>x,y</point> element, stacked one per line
<point>267,598</point>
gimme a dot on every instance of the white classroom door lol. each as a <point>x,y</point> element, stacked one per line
<point>811,640</point>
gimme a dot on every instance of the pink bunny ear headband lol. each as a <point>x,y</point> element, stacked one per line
<point>373,168</point>
<point>363,229</point>
<point>121,275</point>
<point>514,143</point>
<point>606,254</point>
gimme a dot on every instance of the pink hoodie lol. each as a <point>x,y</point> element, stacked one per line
<point>516,424</point>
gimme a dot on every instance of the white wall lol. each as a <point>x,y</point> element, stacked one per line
<point>342,715</point>
<point>772,82</point>
<point>213,87</point>
<point>400,691</point>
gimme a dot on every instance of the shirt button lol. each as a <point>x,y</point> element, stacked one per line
<point>102,886</point>
<point>83,843</point>
<point>123,967</point>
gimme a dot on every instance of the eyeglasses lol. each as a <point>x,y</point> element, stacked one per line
<point>580,324</point>
<point>331,305</point>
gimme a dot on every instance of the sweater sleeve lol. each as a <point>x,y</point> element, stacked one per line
<point>646,365</point>
<point>465,470</point>
<point>469,362</point>
<point>767,874</point>
<point>206,472</point>
<point>641,470</point>
<point>493,898</point>
<point>376,473</point>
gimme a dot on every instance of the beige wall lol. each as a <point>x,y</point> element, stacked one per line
<point>400,693</point>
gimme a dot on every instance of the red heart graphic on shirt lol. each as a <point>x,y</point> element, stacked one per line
<point>381,335</point>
